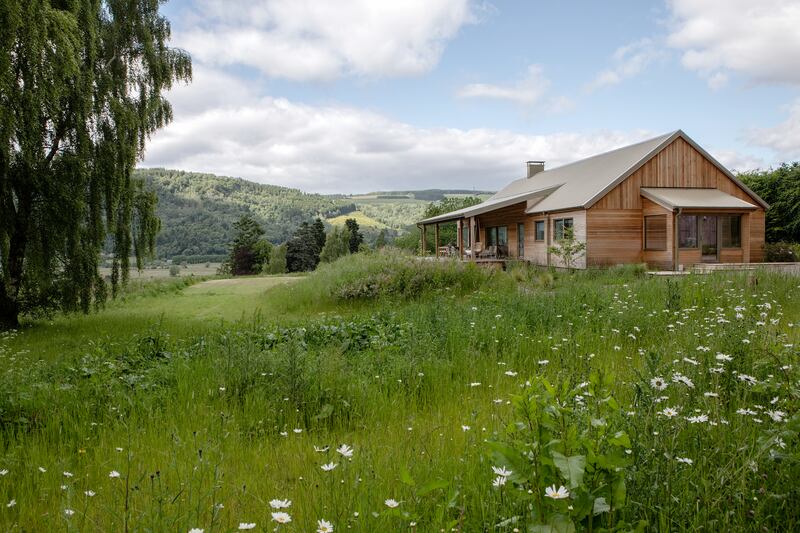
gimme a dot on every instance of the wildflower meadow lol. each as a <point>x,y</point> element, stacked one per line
<point>385,394</point>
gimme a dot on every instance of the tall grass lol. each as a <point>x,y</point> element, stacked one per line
<point>206,427</point>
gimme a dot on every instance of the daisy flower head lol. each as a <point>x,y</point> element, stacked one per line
<point>502,471</point>
<point>323,526</point>
<point>658,383</point>
<point>281,517</point>
<point>329,466</point>
<point>345,450</point>
<point>559,493</point>
<point>113,474</point>
<point>391,503</point>
<point>669,412</point>
<point>499,481</point>
<point>280,504</point>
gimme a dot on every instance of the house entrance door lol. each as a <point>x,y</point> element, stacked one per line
<point>709,249</point>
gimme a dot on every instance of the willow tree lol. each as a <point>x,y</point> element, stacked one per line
<point>81,91</point>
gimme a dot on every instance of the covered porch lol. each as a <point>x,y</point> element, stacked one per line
<point>687,227</point>
<point>493,236</point>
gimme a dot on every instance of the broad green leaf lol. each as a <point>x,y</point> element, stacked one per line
<point>430,486</point>
<point>558,523</point>
<point>571,468</point>
<point>405,477</point>
<point>620,438</point>
<point>618,492</point>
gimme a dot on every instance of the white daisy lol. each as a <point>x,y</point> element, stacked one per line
<point>329,466</point>
<point>345,450</point>
<point>281,517</point>
<point>280,504</point>
<point>323,526</point>
<point>557,494</point>
<point>391,503</point>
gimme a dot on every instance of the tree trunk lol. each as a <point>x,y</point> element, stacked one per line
<point>9,311</point>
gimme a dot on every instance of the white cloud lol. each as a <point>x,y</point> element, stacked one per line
<point>307,40</point>
<point>628,60</point>
<point>784,138</point>
<point>736,160</point>
<point>756,38</point>
<point>530,91</point>
<point>342,149</point>
<point>527,92</point>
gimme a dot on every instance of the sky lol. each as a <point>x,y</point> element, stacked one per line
<point>363,95</point>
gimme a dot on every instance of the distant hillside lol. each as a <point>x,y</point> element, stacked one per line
<point>197,210</point>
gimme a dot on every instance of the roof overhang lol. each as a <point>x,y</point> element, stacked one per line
<point>489,205</point>
<point>680,198</point>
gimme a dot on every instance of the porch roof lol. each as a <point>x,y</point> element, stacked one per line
<point>673,198</point>
<point>489,205</point>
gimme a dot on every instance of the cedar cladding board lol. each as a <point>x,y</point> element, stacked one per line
<point>615,232</point>
<point>677,165</point>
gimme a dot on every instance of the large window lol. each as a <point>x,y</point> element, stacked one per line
<point>521,240</point>
<point>539,233</point>
<point>655,232</point>
<point>687,231</point>
<point>730,231</point>
<point>465,243</point>
<point>560,227</point>
<point>497,236</point>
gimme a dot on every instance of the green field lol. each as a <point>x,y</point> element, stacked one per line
<point>193,405</point>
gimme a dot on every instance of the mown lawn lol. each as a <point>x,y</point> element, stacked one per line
<point>657,404</point>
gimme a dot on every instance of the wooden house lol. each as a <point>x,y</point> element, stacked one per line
<point>665,202</point>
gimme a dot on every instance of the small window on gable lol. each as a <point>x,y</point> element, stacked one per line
<point>539,230</point>
<point>655,232</point>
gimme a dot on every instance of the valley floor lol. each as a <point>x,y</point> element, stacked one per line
<point>381,395</point>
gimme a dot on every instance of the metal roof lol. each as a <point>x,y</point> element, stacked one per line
<point>672,198</point>
<point>580,184</point>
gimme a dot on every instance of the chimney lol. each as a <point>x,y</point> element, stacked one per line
<point>534,167</point>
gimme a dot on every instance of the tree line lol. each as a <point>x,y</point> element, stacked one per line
<point>251,253</point>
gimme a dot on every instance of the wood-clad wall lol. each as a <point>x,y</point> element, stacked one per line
<point>677,165</point>
<point>661,259</point>
<point>614,236</point>
<point>757,229</point>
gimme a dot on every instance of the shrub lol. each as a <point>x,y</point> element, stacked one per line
<point>174,270</point>
<point>780,252</point>
<point>401,275</point>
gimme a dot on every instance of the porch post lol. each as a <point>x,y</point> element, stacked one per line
<point>460,238</point>
<point>436,238</point>
<point>424,239</point>
<point>676,240</point>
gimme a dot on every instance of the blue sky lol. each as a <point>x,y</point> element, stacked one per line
<point>357,95</point>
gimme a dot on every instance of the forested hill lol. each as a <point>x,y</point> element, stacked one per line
<point>197,210</point>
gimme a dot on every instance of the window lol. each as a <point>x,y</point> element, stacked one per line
<point>497,236</point>
<point>655,232</point>
<point>539,233</point>
<point>561,225</point>
<point>731,231</point>
<point>465,243</point>
<point>687,231</point>
<point>521,239</point>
